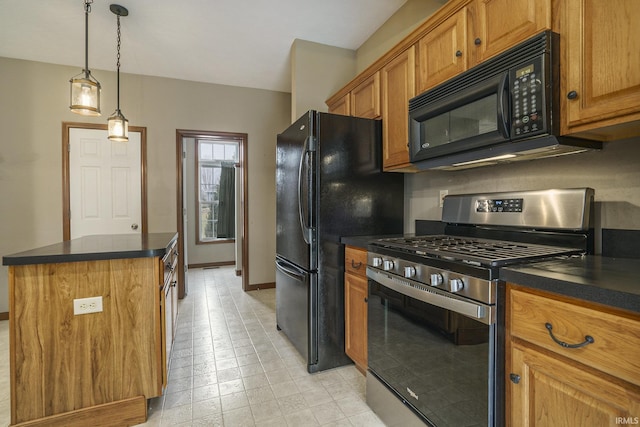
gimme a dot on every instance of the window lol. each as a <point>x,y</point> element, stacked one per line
<point>215,166</point>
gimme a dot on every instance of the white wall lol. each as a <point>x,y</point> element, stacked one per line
<point>398,26</point>
<point>34,102</point>
<point>317,72</point>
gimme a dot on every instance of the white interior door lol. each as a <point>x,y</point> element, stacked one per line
<point>104,183</point>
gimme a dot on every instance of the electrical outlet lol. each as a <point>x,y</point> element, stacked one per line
<point>442,194</point>
<point>87,305</point>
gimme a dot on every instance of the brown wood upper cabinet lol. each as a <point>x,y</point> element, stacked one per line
<point>341,106</point>
<point>398,86</point>
<point>476,32</point>
<point>365,98</point>
<point>601,68</point>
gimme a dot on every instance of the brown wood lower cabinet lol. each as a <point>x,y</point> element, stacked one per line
<point>552,384</point>
<point>355,302</point>
<point>96,368</point>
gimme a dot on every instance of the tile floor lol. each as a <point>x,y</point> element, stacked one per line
<point>231,367</point>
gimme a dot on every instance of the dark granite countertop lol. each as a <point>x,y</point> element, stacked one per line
<point>98,247</point>
<point>611,281</point>
<point>363,241</point>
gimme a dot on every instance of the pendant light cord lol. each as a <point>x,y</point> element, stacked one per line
<point>87,10</point>
<point>118,66</point>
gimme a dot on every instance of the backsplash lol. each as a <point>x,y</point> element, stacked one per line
<point>614,174</point>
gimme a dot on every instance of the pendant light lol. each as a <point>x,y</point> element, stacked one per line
<point>118,125</point>
<point>85,89</point>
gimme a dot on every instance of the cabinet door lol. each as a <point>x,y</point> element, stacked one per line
<point>356,319</point>
<point>553,392</point>
<point>365,98</point>
<point>442,52</point>
<point>601,64</point>
<point>398,86</point>
<point>501,24</point>
<point>167,314</point>
<point>341,106</point>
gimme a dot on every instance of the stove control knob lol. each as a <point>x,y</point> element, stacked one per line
<point>436,279</point>
<point>377,261</point>
<point>409,272</point>
<point>387,265</point>
<point>456,285</point>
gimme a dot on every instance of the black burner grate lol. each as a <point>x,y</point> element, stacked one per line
<point>474,251</point>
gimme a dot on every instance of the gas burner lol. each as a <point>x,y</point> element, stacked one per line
<point>483,252</point>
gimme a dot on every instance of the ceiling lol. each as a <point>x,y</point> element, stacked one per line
<point>231,42</point>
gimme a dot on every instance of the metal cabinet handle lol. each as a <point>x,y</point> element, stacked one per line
<point>572,95</point>
<point>458,53</point>
<point>354,265</point>
<point>515,378</point>
<point>588,339</point>
<point>477,41</point>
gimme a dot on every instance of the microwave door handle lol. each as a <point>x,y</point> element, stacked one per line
<point>503,118</point>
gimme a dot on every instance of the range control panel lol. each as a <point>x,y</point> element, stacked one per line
<point>499,205</point>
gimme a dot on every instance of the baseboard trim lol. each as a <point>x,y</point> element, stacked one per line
<point>125,412</point>
<point>4,316</point>
<point>259,286</point>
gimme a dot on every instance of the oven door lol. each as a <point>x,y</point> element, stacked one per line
<point>439,362</point>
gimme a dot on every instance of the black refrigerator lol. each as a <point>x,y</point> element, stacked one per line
<point>329,184</point>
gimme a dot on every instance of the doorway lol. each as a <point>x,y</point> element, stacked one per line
<point>184,137</point>
<point>110,171</point>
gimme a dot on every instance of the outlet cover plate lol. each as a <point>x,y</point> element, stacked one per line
<point>87,305</point>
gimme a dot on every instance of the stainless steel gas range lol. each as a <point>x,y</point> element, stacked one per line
<point>435,303</point>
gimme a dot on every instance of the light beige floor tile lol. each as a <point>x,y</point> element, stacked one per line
<point>302,418</point>
<point>241,417</point>
<point>266,410</point>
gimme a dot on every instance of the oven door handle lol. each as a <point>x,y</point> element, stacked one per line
<point>475,310</point>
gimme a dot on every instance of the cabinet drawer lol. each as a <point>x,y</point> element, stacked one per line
<point>355,261</point>
<point>616,339</point>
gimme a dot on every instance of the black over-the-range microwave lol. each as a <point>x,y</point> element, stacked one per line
<point>505,109</point>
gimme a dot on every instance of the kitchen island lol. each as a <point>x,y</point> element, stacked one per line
<point>88,339</point>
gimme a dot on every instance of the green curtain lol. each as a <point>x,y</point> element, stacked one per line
<point>227,202</point>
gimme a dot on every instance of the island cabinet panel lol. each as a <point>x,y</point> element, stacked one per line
<point>61,362</point>
<point>570,362</point>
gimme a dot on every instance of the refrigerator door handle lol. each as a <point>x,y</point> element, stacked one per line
<point>294,274</point>
<point>306,230</point>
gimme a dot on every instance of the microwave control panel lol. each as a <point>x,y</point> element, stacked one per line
<point>527,98</point>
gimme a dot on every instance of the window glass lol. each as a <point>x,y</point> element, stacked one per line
<point>212,156</point>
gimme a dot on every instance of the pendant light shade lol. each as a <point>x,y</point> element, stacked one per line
<point>85,89</point>
<point>118,125</point>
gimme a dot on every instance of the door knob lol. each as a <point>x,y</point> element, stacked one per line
<point>134,226</point>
